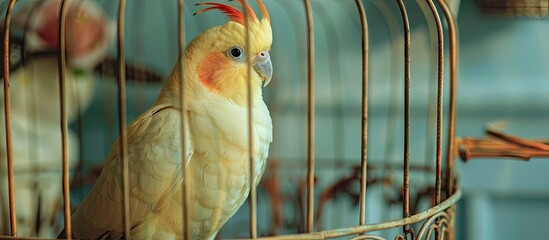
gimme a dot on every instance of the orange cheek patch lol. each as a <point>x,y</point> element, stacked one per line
<point>208,69</point>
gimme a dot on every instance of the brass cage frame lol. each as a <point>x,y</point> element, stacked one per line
<point>438,219</point>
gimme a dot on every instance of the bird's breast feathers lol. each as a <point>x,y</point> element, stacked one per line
<point>219,181</point>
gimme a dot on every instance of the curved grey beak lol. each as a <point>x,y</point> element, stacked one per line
<point>264,67</point>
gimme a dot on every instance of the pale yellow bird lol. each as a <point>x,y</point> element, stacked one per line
<point>217,143</point>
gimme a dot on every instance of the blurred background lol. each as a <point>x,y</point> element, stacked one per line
<point>503,78</point>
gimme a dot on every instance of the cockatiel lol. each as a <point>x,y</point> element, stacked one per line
<point>36,133</point>
<point>217,141</point>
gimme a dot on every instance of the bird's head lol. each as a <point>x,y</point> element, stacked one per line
<point>220,54</point>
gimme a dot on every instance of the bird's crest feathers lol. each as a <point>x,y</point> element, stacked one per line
<point>233,13</point>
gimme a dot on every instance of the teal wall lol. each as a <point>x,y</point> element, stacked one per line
<point>504,75</point>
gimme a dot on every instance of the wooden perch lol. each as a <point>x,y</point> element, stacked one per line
<point>498,144</point>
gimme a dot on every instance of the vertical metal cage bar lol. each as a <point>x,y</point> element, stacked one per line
<point>7,118</point>
<point>438,178</point>
<point>62,68</point>
<point>453,41</point>
<point>123,139</point>
<point>253,189</point>
<point>310,118</point>
<point>406,167</point>
<point>431,99</point>
<point>364,143</point>
<point>181,48</point>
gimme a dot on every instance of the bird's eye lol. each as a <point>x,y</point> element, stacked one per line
<point>236,54</point>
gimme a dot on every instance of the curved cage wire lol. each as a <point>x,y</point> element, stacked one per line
<point>357,102</point>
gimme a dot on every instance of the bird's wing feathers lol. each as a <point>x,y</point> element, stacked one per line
<point>155,169</point>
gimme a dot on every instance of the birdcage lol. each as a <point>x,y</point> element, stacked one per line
<point>344,122</point>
